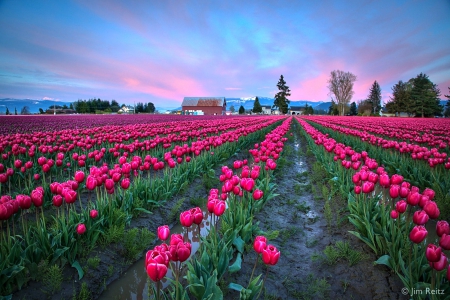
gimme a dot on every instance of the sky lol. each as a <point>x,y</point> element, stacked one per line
<point>162,51</point>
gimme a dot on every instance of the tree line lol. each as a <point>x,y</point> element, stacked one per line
<point>93,106</point>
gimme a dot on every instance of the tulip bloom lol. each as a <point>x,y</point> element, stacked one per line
<point>125,183</point>
<point>433,253</point>
<point>156,271</point>
<point>260,244</point>
<point>432,209</point>
<point>442,227</point>
<point>418,234</point>
<point>441,264</point>
<point>219,208</point>
<point>163,232</point>
<point>413,198</point>
<point>81,229</point>
<point>270,255</point>
<point>394,214</point>
<point>420,217</point>
<point>186,218</point>
<point>197,213</point>
<point>444,241</point>
<point>93,213</point>
<point>368,187</point>
<point>258,194</point>
<point>401,206</point>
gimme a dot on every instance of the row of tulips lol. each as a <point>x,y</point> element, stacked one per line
<point>432,156</point>
<point>431,132</point>
<point>76,230</point>
<point>244,190</point>
<point>390,214</point>
<point>28,160</point>
<point>416,172</point>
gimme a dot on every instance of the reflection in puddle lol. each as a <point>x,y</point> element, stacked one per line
<point>133,284</point>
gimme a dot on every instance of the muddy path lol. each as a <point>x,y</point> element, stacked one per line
<point>319,258</point>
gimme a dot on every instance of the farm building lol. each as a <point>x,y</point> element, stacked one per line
<point>266,109</point>
<point>204,106</point>
<point>296,110</point>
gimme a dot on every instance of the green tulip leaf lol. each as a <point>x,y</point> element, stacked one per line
<point>235,286</point>
<point>239,244</point>
<point>236,266</point>
<point>384,260</point>
<point>77,266</point>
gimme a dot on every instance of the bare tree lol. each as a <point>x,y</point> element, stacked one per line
<point>25,111</point>
<point>340,85</point>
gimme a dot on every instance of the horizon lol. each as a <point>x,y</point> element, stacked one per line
<point>65,51</point>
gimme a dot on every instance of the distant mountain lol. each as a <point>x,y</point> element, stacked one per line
<point>33,105</point>
<point>249,102</point>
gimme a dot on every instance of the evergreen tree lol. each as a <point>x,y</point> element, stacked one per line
<point>334,109</point>
<point>71,106</point>
<point>15,111</point>
<point>241,110</point>
<point>353,109</point>
<point>232,109</point>
<point>257,108</point>
<point>375,98</point>
<point>281,101</point>
<point>401,98</point>
<point>7,111</point>
<point>447,105</point>
<point>425,97</point>
<point>150,107</point>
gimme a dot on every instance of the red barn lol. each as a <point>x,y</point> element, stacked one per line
<point>204,105</point>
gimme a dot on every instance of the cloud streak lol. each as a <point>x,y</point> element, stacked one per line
<point>162,51</point>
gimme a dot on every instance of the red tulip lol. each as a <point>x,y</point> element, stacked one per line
<point>384,180</point>
<point>91,182</point>
<point>70,196</point>
<point>156,271</point>
<point>413,198</point>
<point>186,218</point>
<point>258,194</point>
<point>432,209</point>
<point>394,191</point>
<point>211,204</point>
<point>93,213</point>
<point>404,191</point>
<point>37,197</point>
<point>394,214</point>
<point>441,264</point>
<point>444,241</point>
<point>260,244</point>
<point>270,255</point>
<point>81,228</point>
<point>396,179</point>
<point>219,208</point>
<point>175,239</point>
<point>420,217</point>
<point>368,187</point>
<point>155,256</point>
<point>418,234</point>
<point>163,232</point>
<point>197,213</point>
<point>429,192</point>
<point>433,253</point>
<point>125,183</point>
<point>79,176</point>
<point>401,206</point>
<point>57,200</point>
<point>442,227</point>
<point>18,164</point>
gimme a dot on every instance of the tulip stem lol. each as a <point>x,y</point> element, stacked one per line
<point>262,285</point>
<point>157,290</point>
<point>254,267</point>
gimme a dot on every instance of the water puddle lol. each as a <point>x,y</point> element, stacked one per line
<point>133,284</point>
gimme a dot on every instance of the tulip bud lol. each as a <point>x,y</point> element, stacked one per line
<point>418,234</point>
<point>270,255</point>
<point>93,213</point>
<point>81,229</point>
<point>442,227</point>
<point>163,232</point>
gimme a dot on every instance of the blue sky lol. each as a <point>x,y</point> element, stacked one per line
<point>162,51</point>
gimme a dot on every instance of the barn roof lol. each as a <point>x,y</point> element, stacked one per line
<point>203,101</point>
<point>297,108</point>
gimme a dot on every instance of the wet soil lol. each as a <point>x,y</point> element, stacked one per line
<point>303,270</point>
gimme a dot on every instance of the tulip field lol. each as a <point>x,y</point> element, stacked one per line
<point>70,185</point>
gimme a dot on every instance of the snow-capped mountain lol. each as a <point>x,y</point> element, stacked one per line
<point>248,103</point>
